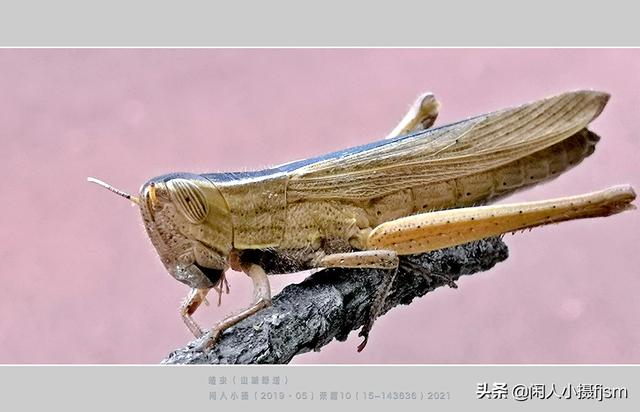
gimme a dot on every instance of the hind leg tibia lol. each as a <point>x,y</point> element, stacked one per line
<point>373,259</point>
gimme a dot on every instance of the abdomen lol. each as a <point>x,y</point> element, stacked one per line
<point>481,187</point>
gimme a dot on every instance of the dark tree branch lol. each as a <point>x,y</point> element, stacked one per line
<point>331,303</point>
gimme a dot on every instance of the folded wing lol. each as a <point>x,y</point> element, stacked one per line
<point>465,148</point>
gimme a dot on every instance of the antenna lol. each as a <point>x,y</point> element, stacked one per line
<point>134,199</point>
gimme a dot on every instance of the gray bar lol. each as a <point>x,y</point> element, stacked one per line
<point>495,388</point>
<point>289,23</point>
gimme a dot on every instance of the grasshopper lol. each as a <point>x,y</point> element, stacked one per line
<point>419,189</point>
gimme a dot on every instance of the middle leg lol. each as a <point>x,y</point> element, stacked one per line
<point>387,260</point>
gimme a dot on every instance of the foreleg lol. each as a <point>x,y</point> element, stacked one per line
<point>189,306</point>
<point>262,299</point>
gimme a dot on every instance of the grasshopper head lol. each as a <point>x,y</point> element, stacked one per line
<point>189,224</point>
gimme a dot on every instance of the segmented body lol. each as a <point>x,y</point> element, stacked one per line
<point>301,211</point>
<point>294,233</point>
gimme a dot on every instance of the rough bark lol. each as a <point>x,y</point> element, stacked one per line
<point>331,303</point>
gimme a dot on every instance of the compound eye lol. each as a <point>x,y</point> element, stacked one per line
<point>188,197</point>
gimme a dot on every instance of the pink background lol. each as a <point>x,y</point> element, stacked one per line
<point>81,283</point>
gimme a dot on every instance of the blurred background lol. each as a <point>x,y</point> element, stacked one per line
<point>81,283</point>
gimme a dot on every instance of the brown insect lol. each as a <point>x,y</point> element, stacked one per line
<point>416,191</point>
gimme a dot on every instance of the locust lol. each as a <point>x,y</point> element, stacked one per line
<point>420,189</point>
